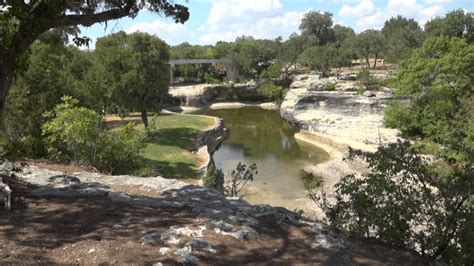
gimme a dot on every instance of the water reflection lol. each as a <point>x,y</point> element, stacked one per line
<point>263,137</point>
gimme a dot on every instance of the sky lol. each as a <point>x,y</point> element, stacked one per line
<point>224,20</point>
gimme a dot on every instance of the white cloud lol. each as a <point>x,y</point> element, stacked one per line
<point>265,28</point>
<point>377,17</point>
<point>362,9</point>
<point>262,19</point>
<point>225,10</point>
<point>439,1</point>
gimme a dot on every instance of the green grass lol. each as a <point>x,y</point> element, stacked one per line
<point>168,149</point>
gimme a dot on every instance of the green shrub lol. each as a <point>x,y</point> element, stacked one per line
<point>120,150</point>
<point>72,134</point>
<point>209,79</point>
<point>77,134</point>
<point>311,181</point>
<point>271,91</point>
<point>366,80</point>
<point>330,87</point>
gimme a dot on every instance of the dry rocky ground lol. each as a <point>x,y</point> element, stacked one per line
<point>67,216</point>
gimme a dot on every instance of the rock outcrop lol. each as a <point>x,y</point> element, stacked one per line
<point>206,144</point>
<point>341,113</point>
<point>204,94</point>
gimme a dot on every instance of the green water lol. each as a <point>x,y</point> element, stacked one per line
<point>263,137</point>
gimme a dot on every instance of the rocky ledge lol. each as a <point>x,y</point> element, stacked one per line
<point>202,95</point>
<point>220,226</point>
<point>344,114</point>
<point>206,143</point>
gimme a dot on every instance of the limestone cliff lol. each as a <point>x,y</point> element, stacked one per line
<point>203,94</point>
<point>342,114</point>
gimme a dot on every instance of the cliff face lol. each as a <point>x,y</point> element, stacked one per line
<point>205,94</point>
<point>342,114</point>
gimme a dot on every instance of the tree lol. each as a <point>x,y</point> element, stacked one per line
<point>456,23</point>
<point>139,66</point>
<point>341,34</point>
<point>369,43</point>
<point>402,35</point>
<point>320,58</point>
<point>38,89</point>
<point>289,52</point>
<point>316,28</point>
<point>22,22</point>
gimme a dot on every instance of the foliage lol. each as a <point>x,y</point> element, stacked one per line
<point>456,23</point>
<point>402,35</point>
<point>210,79</point>
<point>289,52</point>
<point>72,134</point>
<point>235,183</point>
<point>121,150</point>
<point>214,178</point>
<point>271,91</point>
<point>37,90</point>
<point>366,80</point>
<point>77,134</point>
<point>407,201</point>
<point>330,87</point>
<point>439,78</point>
<point>320,58</point>
<point>311,181</point>
<point>316,28</point>
<point>341,34</point>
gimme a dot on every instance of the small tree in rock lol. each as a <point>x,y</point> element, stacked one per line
<point>237,181</point>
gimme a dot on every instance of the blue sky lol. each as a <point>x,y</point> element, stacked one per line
<point>223,20</point>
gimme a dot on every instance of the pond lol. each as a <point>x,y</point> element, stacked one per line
<point>261,136</point>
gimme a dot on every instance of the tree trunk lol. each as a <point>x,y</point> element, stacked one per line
<point>375,62</point>
<point>143,109</point>
<point>6,78</point>
<point>367,62</point>
<point>145,118</point>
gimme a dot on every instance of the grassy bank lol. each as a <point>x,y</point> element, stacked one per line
<point>168,150</point>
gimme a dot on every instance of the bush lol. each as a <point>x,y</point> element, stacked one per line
<point>366,80</point>
<point>72,134</point>
<point>77,134</point>
<point>271,91</point>
<point>209,79</point>
<point>214,178</point>
<point>330,87</point>
<point>237,181</point>
<point>120,150</point>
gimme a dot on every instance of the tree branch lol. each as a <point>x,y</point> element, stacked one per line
<point>89,19</point>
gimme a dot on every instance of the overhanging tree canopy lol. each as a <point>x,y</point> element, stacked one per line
<point>21,24</point>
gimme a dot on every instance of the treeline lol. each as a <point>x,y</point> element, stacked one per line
<point>125,73</point>
<point>321,46</point>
